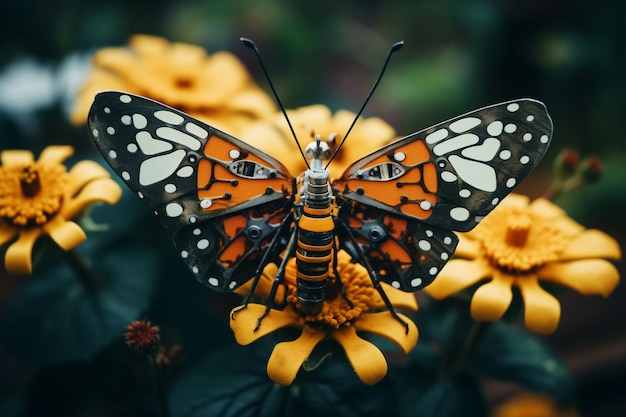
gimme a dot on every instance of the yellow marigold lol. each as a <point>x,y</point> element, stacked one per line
<point>520,244</point>
<point>337,320</point>
<point>214,88</point>
<point>275,138</point>
<point>39,197</point>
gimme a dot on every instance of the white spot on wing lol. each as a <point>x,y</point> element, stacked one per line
<point>234,153</point>
<point>399,156</point>
<point>213,281</point>
<point>126,119</point>
<point>194,129</point>
<point>459,214</point>
<point>169,117</point>
<point>455,143</point>
<point>179,137</point>
<point>112,154</point>
<point>512,107</point>
<point>464,124</point>
<point>173,209</point>
<point>448,176</point>
<point>436,136</point>
<point>132,148</point>
<point>156,169</point>
<point>150,145</point>
<point>170,188</point>
<point>125,98</point>
<point>505,154</point>
<point>416,282</point>
<point>476,174</point>
<point>495,128</point>
<point>510,128</point>
<point>139,121</point>
<point>484,152</point>
<point>203,244</point>
<point>185,172</point>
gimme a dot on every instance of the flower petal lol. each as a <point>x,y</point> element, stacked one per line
<point>84,172</point>
<point>287,357</point>
<point>587,276</point>
<point>7,233</point>
<point>17,259</point>
<point>101,190</point>
<point>55,154</point>
<point>16,157</point>
<point>491,300</point>
<point>385,325</point>
<point>591,244</point>
<point>467,247</point>
<point>244,321</point>
<point>457,275</point>
<point>542,310</point>
<point>398,298</point>
<point>546,209</point>
<point>66,234</point>
<point>366,359</point>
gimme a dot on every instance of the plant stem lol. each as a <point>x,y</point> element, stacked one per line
<point>158,386</point>
<point>83,270</point>
<point>466,337</point>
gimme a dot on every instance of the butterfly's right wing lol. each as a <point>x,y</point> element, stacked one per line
<point>224,200</point>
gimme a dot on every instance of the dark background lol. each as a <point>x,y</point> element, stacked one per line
<point>458,55</point>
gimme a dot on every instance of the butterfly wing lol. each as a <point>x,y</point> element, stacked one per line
<point>447,177</point>
<point>223,199</point>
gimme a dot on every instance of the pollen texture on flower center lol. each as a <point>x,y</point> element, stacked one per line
<point>517,241</point>
<point>336,311</point>
<point>30,195</point>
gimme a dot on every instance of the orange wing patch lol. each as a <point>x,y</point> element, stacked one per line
<point>231,176</point>
<point>409,167</point>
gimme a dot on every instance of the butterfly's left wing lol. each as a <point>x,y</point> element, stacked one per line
<point>402,203</point>
<point>225,201</point>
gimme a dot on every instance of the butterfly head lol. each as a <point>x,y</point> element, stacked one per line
<point>317,152</point>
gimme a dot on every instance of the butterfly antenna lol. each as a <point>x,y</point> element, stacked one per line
<point>250,44</point>
<point>395,47</point>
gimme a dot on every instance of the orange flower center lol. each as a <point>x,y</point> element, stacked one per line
<point>336,311</point>
<point>30,195</point>
<point>516,240</point>
<point>142,335</point>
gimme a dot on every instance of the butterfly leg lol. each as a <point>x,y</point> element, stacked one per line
<point>342,288</point>
<point>280,273</point>
<point>374,277</point>
<point>267,256</point>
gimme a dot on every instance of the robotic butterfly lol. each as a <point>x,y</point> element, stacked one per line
<point>233,209</point>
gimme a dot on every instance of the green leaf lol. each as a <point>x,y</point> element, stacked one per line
<point>421,394</point>
<point>55,318</point>
<point>233,382</point>
<point>518,356</point>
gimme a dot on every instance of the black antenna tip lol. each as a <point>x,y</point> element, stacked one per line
<point>396,46</point>
<point>248,42</point>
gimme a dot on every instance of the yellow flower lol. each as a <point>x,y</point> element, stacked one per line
<point>532,405</point>
<point>337,321</point>
<point>40,197</point>
<point>216,89</point>
<point>275,138</point>
<point>520,244</point>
